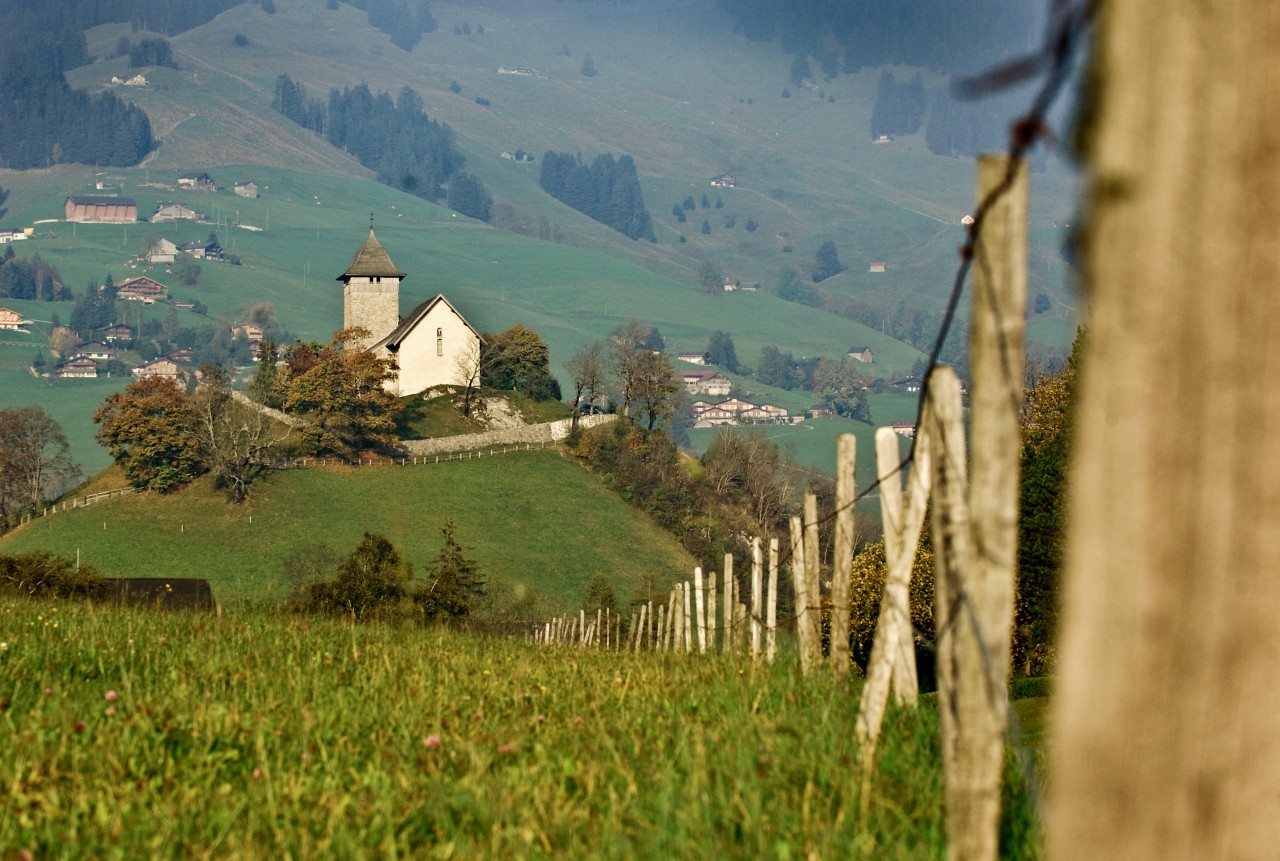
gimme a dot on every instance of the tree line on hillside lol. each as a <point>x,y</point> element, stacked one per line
<point>899,108</point>
<point>847,35</point>
<point>607,190</point>
<point>33,279</point>
<point>405,21</point>
<point>392,137</point>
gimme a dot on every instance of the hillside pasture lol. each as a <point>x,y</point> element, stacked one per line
<point>537,523</point>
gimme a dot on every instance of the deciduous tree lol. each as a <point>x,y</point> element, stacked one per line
<point>150,430</point>
<point>35,461</point>
<point>237,440</point>
<point>586,369</point>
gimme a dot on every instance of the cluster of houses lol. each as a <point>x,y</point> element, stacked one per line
<point>733,411</point>
<point>86,360</point>
<point>118,209</point>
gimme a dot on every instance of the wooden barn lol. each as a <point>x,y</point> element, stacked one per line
<point>101,209</point>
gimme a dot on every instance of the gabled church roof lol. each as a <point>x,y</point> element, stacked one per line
<point>408,323</point>
<point>371,261</point>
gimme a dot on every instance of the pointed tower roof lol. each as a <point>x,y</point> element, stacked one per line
<point>372,260</point>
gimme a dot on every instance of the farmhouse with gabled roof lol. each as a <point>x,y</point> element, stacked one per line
<point>430,346</point>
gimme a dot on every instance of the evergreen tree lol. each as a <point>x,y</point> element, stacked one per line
<point>468,196</point>
<point>721,352</point>
<point>706,227</point>
<point>826,262</point>
<point>588,67</point>
<point>453,582</point>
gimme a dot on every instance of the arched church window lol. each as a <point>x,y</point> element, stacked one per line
<point>439,342</point>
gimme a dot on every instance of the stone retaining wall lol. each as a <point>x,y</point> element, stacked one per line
<point>535,434</point>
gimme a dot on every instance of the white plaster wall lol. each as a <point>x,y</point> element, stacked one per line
<point>420,367</point>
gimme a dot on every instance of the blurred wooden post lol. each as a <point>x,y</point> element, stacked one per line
<point>700,609</point>
<point>798,577</point>
<point>677,617</point>
<point>812,564</point>
<point>771,604</point>
<point>893,655</point>
<point>712,610</point>
<point>688,617</point>
<point>1165,705</point>
<point>757,600</point>
<point>660,642</point>
<point>842,565</point>
<point>600,620</point>
<point>728,603</point>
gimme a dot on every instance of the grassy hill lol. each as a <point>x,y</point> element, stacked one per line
<point>538,524</point>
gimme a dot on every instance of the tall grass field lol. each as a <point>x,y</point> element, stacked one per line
<point>134,734</point>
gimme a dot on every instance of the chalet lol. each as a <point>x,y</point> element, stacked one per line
<point>693,358</point>
<point>724,180</point>
<point>907,384</point>
<point>159,368</point>
<point>81,367</point>
<point>246,189</point>
<point>713,416</point>
<point>877,266</point>
<point>252,333</point>
<point>12,321</point>
<point>15,235</point>
<point>197,181</point>
<point>735,405</point>
<point>907,429</point>
<point>180,356</point>
<point>967,220</point>
<point>862,354</point>
<point>730,285</point>
<point>95,350</point>
<point>116,333</point>
<point>163,251</point>
<point>433,346</point>
<point>141,289</point>
<point>101,209</point>
<point>818,411</point>
<point>706,383</point>
<point>201,250</point>
<point>135,81</point>
<point>168,212</point>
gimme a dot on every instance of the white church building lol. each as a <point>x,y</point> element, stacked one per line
<point>431,346</point>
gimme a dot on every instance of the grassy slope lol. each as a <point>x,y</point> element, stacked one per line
<point>534,520</point>
<point>537,752</point>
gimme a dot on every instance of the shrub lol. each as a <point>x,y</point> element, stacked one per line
<point>45,575</point>
<point>372,581</point>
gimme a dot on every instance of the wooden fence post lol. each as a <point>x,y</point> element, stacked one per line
<point>842,564</point>
<point>757,600</point>
<point>812,558</point>
<point>893,652</point>
<point>800,588</point>
<point>700,609</point>
<point>712,610</point>
<point>728,603</point>
<point>771,604</point>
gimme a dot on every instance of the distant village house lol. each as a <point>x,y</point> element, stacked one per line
<point>141,289</point>
<point>724,180</point>
<point>201,250</point>
<point>167,212</point>
<point>163,251</point>
<point>710,383</point>
<point>82,368</point>
<point>12,321</point>
<point>159,368</point>
<point>862,354</point>
<point>197,181</point>
<point>246,189</point>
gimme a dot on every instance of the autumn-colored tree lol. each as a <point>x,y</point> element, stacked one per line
<point>839,384</point>
<point>868,588</point>
<point>343,393</point>
<point>35,459</point>
<point>149,428</point>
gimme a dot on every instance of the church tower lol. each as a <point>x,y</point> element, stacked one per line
<point>371,293</point>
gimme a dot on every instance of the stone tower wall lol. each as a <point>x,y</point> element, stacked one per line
<point>373,304</point>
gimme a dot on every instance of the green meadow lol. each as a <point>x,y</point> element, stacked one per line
<point>139,734</point>
<point>539,526</point>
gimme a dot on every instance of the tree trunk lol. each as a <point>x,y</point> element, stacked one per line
<point>1167,731</point>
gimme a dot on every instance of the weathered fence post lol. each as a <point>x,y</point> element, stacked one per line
<point>700,609</point>
<point>812,559</point>
<point>801,589</point>
<point>842,560</point>
<point>757,600</point>
<point>771,604</point>
<point>713,610</point>
<point>688,617</point>
<point>728,603</point>
<point>893,652</point>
